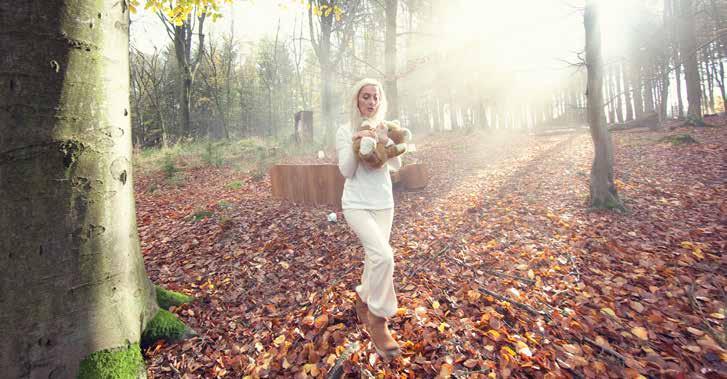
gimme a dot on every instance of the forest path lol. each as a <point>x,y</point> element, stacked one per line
<point>499,266</point>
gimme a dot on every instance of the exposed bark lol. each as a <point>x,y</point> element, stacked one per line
<point>73,278</point>
<point>602,188</point>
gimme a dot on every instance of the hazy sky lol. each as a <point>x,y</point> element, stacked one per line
<point>543,27</point>
<point>525,43</point>
<point>252,20</point>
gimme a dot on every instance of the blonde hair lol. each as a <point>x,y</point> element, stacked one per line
<point>355,113</point>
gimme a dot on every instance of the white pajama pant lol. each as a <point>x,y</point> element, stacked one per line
<point>373,228</point>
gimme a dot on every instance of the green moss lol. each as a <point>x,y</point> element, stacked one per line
<point>679,139</point>
<point>165,325</point>
<point>166,298</point>
<point>121,363</point>
<point>234,185</point>
<point>611,203</point>
<point>201,215</point>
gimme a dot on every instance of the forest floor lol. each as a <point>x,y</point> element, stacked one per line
<point>501,270</point>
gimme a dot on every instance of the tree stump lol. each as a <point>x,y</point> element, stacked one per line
<point>414,176</point>
<point>303,126</point>
<point>316,184</point>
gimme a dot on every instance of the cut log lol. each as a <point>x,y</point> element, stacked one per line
<point>647,120</point>
<point>414,176</point>
<point>308,184</point>
<point>321,184</point>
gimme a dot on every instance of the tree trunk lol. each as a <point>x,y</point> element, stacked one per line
<point>185,78</point>
<point>721,53</point>
<point>323,50</point>
<point>619,106</point>
<point>73,278</point>
<point>710,80</point>
<point>719,77</point>
<point>664,94</point>
<point>688,46</point>
<point>676,33</point>
<point>648,86</point>
<point>610,96</point>
<point>627,93</point>
<point>187,67</point>
<point>392,92</point>
<point>602,189</point>
<point>637,84</point>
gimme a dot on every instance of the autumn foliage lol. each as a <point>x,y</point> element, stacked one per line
<point>501,268</point>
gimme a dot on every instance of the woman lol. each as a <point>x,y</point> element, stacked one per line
<point>368,206</point>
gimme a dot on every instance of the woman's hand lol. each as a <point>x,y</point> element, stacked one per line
<point>382,133</point>
<point>364,133</point>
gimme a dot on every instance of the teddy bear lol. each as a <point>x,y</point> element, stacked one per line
<point>373,153</point>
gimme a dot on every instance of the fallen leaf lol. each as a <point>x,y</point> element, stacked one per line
<point>608,312</point>
<point>523,349</point>
<point>635,305</point>
<point>693,348</point>
<point>279,340</point>
<point>445,371</point>
<point>640,332</point>
<point>442,326</point>
<point>321,321</point>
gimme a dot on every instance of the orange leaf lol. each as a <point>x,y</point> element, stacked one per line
<point>321,321</point>
<point>640,332</point>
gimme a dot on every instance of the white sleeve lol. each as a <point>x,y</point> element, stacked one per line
<point>394,163</point>
<point>347,162</point>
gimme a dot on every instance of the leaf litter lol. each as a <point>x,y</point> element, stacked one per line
<point>501,270</point>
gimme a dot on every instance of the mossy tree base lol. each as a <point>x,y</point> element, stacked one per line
<point>612,203</point>
<point>121,363</point>
<point>165,325</point>
<point>167,298</point>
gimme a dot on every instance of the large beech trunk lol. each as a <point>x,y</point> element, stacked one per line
<point>73,280</point>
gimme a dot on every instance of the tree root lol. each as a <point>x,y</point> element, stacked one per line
<point>167,298</point>
<point>165,325</point>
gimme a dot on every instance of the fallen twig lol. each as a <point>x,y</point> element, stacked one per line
<point>721,339</point>
<point>575,267</point>
<point>413,271</point>
<point>605,349</point>
<point>493,273</point>
<point>336,371</point>
<point>514,302</point>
